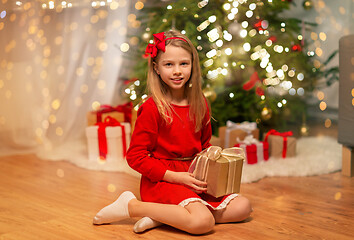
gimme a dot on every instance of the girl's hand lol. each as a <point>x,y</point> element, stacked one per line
<point>185,178</point>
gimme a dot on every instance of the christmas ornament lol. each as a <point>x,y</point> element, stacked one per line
<point>296,48</point>
<point>258,25</point>
<point>273,39</point>
<point>252,82</point>
<point>307,4</point>
<point>209,93</point>
<point>266,113</point>
<point>304,130</point>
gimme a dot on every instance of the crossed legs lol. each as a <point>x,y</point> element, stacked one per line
<point>195,218</point>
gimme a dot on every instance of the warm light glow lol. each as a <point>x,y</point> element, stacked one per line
<point>328,123</point>
<point>111,188</point>
<point>323,106</point>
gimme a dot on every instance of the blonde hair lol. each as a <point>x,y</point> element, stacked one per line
<point>193,87</point>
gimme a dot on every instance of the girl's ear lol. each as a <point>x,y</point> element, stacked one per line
<point>155,68</point>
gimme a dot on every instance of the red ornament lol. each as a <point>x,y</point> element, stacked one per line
<point>253,80</point>
<point>273,38</point>
<point>296,48</point>
<point>259,91</point>
<point>258,25</point>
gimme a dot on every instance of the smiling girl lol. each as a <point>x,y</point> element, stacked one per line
<point>173,125</point>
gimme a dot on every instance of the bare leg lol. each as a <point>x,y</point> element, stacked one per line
<point>237,210</point>
<point>194,218</point>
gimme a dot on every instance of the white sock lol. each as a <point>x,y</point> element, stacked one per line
<point>144,224</point>
<point>116,211</point>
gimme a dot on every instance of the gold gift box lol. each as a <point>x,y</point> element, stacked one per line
<point>221,169</point>
<point>92,117</point>
<point>119,116</point>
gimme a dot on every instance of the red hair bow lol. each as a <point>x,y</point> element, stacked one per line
<point>159,43</point>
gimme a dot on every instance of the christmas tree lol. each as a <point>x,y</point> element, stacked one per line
<point>256,65</point>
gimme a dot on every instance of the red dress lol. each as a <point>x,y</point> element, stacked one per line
<point>154,143</point>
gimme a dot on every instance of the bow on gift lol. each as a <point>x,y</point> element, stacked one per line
<point>102,140</point>
<point>159,44</point>
<point>199,166</point>
<point>245,126</point>
<point>126,109</point>
<point>248,140</point>
<point>285,136</point>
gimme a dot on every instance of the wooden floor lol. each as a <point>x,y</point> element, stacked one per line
<point>57,200</point>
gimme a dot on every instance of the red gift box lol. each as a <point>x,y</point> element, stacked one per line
<point>255,152</point>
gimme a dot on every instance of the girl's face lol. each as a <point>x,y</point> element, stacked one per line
<point>174,67</point>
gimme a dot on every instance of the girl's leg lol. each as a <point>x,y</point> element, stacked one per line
<point>237,210</point>
<point>194,218</point>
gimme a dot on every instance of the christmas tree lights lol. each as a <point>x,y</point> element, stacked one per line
<point>255,64</point>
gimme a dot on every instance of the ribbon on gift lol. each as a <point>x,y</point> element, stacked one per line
<point>285,136</point>
<point>126,109</point>
<point>245,126</point>
<point>102,139</point>
<point>249,140</point>
<point>199,166</point>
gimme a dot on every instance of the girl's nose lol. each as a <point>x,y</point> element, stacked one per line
<point>176,71</point>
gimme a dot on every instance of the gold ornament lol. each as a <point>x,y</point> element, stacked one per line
<point>266,113</point>
<point>209,93</point>
<point>304,130</point>
<point>307,4</point>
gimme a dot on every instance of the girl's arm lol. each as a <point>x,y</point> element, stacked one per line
<point>143,141</point>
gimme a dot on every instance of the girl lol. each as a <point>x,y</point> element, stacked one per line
<point>173,125</point>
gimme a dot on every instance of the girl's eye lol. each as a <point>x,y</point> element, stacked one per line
<point>168,64</point>
<point>185,63</point>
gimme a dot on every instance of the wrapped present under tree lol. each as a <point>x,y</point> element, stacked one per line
<point>256,151</point>
<point>121,113</point>
<point>229,134</point>
<point>281,145</point>
<point>108,140</point>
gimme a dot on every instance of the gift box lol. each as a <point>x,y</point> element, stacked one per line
<point>215,141</point>
<point>232,131</point>
<point>221,169</point>
<point>255,150</point>
<point>108,141</point>
<point>121,113</point>
<point>281,145</point>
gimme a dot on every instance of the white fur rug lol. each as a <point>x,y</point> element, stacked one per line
<point>315,155</point>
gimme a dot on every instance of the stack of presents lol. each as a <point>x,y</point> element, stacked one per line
<point>110,128</point>
<point>108,132</point>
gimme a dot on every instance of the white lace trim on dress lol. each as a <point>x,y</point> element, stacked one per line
<point>221,205</point>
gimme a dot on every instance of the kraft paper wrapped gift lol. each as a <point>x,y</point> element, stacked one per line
<point>228,134</point>
<point>221,169</point>
<point>122,113</point>
<point>281,145</point>
<point>108,141</point>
